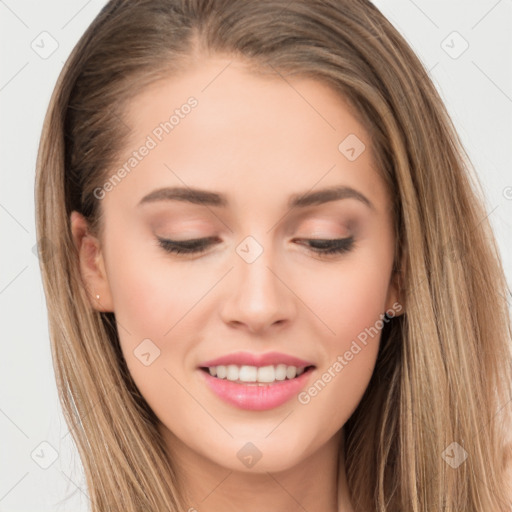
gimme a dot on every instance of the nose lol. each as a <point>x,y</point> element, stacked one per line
<point>258,297</point>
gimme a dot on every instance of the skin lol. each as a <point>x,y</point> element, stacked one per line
<point>257,140</point>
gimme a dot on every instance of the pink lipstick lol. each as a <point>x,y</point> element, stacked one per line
<point>256,382</point>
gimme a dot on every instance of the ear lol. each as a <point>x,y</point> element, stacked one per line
<point>92,265</point>
<point>394,299</point>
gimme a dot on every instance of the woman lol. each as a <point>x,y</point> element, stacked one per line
<point>274,284</point>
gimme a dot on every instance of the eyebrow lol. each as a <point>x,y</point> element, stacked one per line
<point>207,198</point>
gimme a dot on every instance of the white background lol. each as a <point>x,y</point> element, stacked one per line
<point>476,86</point>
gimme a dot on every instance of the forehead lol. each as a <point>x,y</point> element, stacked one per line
<point>270,132</point>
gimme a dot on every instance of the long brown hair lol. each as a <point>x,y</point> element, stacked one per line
<point>443,373</point>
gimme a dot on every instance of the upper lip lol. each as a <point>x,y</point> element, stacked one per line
<point>266,359</point>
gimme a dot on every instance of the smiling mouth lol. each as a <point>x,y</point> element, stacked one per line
<point>256,376</point>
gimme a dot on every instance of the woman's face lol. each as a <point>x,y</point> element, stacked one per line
<point>258,168</point>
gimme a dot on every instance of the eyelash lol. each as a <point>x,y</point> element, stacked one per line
<point>324,247</point>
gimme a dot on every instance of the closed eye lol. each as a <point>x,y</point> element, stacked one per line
<point>186,246</point>
<point>199,245</point>
<point>335,246</point>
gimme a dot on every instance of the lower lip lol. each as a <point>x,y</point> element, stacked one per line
<point>254,397</point>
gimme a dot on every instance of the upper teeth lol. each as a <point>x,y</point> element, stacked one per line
<point>254,373</point>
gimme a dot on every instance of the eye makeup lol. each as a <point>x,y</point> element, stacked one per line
<point>199,245</point>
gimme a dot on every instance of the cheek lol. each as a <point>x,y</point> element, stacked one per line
<point>149,293</point>
<point>350,303</point>
<point>161,308</point>
<point>155,326</point>
<point>140,301</point>
<point>351,293</point>
<point>349,300</point>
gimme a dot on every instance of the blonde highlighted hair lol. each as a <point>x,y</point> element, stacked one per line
<point>443,373</point>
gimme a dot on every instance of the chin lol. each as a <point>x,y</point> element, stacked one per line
<point>262,455</point>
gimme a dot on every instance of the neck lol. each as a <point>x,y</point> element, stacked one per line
<point>317,482</point>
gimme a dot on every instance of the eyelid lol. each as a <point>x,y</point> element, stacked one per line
<point>327,246</point>
<point>190,246</point>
